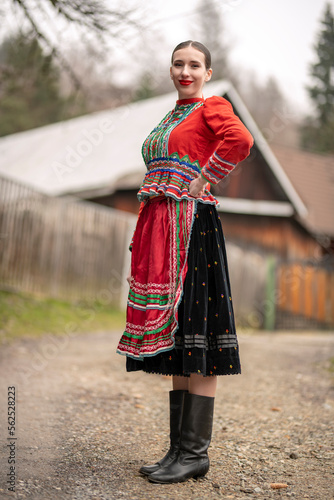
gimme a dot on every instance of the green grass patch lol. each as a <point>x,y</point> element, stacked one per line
<point>27,316</point>
<point>331,365</point>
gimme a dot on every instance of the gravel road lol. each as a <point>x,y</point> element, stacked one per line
<point>84,426</point>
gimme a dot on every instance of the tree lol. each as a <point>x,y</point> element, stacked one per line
<point>262,100</point>
<point>274,114</point>
<point>29,88</point>
<point>100,89</point>
<point>318,134</point>
<point>92,17</point>
<point>145,88</point>
<point>211,33</point>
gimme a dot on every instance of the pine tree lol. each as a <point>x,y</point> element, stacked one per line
<point>322,93</point>
<point>318,135</point>
<point>211,33</point>
<point>29,87</point>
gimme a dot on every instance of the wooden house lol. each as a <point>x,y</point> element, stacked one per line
<point>280,200</point>
<point>277,204</point>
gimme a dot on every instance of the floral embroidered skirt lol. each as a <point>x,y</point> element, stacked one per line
<point>205,341</point>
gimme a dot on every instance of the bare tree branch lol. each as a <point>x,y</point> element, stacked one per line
<point>92,16</point>
<point>53,49</point>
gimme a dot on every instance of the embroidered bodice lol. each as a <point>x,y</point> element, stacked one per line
<point>197,137</point>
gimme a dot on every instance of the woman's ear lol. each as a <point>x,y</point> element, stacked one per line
<point>208,75</point>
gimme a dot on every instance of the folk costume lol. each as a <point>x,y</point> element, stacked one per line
<point>179,313</point>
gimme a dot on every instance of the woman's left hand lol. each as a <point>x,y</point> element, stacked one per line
<point>196,187</point>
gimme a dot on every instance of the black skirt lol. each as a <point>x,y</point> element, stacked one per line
<point>205,341</point>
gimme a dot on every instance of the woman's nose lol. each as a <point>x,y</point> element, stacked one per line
<point>185,70</point>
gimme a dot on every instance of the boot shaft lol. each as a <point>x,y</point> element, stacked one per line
<point>192,459</point>
<point>197,424</point>
<point>176,400</point>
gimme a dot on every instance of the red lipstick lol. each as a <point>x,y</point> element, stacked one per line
<point>185,82</point>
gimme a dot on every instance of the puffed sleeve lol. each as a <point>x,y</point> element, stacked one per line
<point>235,139</point>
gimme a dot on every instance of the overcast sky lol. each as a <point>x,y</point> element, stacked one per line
<point>266,36</point>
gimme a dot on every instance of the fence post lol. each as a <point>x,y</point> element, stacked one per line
<point>270,304</point>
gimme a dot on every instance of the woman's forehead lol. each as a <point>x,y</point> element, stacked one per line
<point>189,53</point>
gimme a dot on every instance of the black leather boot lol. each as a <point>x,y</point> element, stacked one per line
<point>196,430</point>
<point>175,419</point>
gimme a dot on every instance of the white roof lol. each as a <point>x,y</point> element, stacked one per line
<point>96,150</point>
<point>85,152</point>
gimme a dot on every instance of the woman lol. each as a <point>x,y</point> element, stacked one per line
<point>179,316</point>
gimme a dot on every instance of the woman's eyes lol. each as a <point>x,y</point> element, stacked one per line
<point>193,65</point>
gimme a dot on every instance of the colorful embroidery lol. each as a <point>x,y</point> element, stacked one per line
<point>216,169</point>
<point>166,174</point>
<point>171,176</point>
<point>152,314</point>
<point>152,307</point>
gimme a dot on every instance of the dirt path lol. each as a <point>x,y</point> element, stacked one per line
<point>84,426</point>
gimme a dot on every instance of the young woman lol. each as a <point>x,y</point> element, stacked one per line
<point>179,316</point>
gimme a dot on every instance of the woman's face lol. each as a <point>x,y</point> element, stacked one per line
<point>189,73</point>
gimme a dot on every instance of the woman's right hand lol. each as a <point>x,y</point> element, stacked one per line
<point>128,277</point>
<point>196,187</point>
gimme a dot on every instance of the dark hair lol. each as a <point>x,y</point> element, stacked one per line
<point>197,45</point>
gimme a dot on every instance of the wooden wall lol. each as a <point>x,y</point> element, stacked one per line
<point>62,248</point>
<point>274,293</point>
<point>305,291</point>
<point>252,180</point>
<point>261,250</point>
<point>79,250</point>
<point>125,200</point>
<point>279,235</point>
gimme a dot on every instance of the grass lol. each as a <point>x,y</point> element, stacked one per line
<point>23,315</point>
<point>331,365</point>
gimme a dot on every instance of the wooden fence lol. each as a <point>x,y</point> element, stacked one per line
<point>305,293</point>
<point>69,249</point>
<point>62,247</point>
<point>248,276</point>
<point>272,293</point>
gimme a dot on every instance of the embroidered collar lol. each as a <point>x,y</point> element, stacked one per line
<point>184,102</point>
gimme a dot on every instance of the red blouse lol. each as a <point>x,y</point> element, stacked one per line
<point>198,137</point>
<point>214,136</point>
